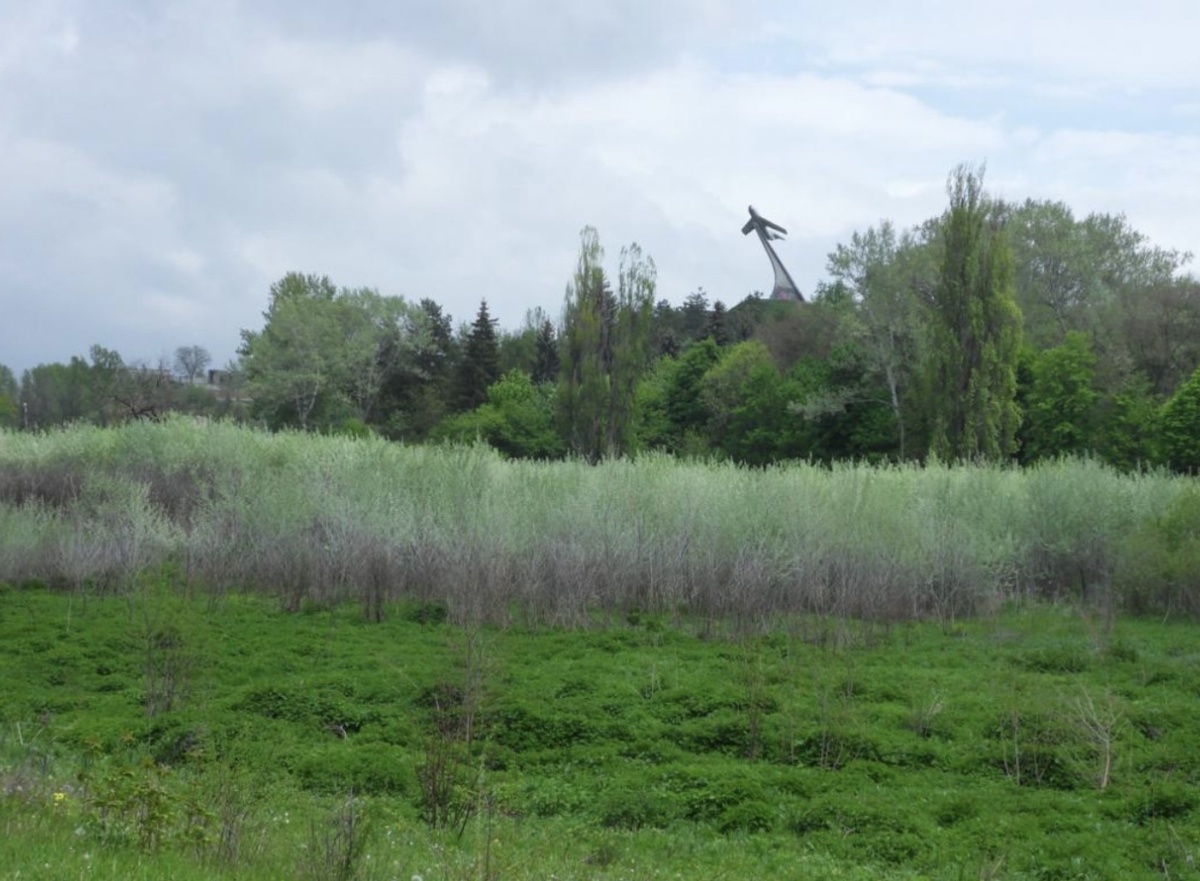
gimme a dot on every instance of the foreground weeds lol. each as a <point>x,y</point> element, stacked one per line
<point>320,745</point>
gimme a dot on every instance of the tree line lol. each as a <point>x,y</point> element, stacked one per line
<point>996,330</point>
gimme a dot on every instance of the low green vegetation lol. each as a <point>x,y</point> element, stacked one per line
<point>157,735</point>
<point>241,655</point>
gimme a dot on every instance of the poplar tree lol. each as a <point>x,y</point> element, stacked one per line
<point>975,330</point>
<point>604,349</point>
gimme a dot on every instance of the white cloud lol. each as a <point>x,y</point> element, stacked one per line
<point>161,174</point>
<point>1147,45</point>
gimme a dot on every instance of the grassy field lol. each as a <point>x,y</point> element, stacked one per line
<point>156,734</point>
<point>250,656</point>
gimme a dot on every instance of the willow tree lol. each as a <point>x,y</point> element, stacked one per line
<point>975,330</point>
<point>605,348</point>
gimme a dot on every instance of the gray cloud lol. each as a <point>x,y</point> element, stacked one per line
<point>164,163</point>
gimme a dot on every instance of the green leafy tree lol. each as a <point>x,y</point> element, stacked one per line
<point>295,364</point>
<point>974,330</point>
<point>109,390</point>
<point>518,420</point>
<point>1128,435</point>
<point>605,349</point>
<point>1060,405</point>
<point>762,427</point>
<point>326,356</point>
<point>57,394</point>
<point>845,413</point>
<point>1097,275</point>
<point>687,413</point>
<point>1180,427</point>
<point>652,427</point>
<point>382,339</point>
<point>882,276</point>
<point>1160,331</point>
<point>414,401</point>
<point>1056,270</point>
<point>10,399</point>
<point>723,389</point>
<point>693,317</point>
<point>630,344</point>
<point>480,365</point>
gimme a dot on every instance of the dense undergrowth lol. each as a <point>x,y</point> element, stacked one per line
<point>330,519</point>
<point>158,734</point>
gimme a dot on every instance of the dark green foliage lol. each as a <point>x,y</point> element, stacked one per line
<point>1060,404</point>
<point>686,411</point>
<point>366,769</point>
<point>480,365</point>
<point>327,354</point>
<point>1180,427</point>
<point>1128,437</point>
<point>1169,801</point>
<point>413,402</point>
<point>975,330</point>
<point>633,806</point>
<point>546,366</point>
<point>518,420</point>
<point>10,399</point>
<point>717,326</point>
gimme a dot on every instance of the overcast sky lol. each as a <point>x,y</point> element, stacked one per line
<point>162,162</point>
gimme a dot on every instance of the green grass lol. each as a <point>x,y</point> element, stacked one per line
<point>814,748</point>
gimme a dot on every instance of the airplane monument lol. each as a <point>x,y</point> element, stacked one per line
<point>785,288</point>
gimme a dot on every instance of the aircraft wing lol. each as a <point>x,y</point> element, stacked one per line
<point>769,225</point>
<point>749,227</point>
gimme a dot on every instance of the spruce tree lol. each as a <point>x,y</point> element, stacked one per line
<point>546,366</point>
<point>480,366</point>
<point>717,326</point>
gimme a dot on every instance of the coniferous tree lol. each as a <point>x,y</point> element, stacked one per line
<point>975,330</point>
<point>717,325</point>
<point>547,363</point>
<point>480,365</point>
